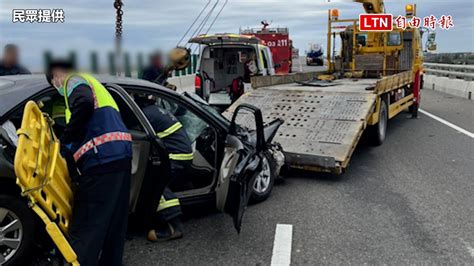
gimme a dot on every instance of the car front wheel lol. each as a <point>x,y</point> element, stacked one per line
<point>264,181</point>
<point>16,231</point>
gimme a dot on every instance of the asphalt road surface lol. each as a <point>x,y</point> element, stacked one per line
<point>299,65</point>
<point>409,201</point>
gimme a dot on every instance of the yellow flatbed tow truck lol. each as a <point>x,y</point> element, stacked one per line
<point>376,76</point>
<point>323,125</point>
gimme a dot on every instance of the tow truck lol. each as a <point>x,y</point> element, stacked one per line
<point>376,76</point>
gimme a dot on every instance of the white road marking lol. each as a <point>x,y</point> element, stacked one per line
<point>468,247</point>
<point>449,124</point>
<point>282,245</point>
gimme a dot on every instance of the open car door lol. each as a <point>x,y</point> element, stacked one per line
<point>146,146</point>
<point>240,166</point>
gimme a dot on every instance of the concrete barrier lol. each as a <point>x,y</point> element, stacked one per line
<point>456,87</point>
<point>183,83</point>
<point>465,72</point>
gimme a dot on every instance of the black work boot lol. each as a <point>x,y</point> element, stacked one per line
<point>177,226</point>
<point>168,232</point>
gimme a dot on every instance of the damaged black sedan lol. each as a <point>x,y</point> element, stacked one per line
<point>231,164</point>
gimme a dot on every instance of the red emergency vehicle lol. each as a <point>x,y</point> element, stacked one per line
<point>278,40</point>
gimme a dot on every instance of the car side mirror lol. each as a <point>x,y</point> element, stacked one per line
<point>257,113</point>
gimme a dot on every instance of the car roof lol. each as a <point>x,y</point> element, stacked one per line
<point>18,88</point>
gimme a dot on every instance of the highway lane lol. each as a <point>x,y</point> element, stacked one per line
<point>457,110</point>
<point>299,65</point>
<point>407,201</point>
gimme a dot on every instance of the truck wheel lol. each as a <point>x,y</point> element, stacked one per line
<point>264,181</point>
<point>379,131</point>
<point>16,231</point>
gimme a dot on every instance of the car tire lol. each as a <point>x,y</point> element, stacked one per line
<point>264,181</point>
<point>379,131</point>
<point>11,209</point>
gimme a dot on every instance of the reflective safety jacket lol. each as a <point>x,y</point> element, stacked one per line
<point>106,137</point>
<point>171,131</point>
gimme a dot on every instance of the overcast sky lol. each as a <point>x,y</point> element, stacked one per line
<point>152,24</point>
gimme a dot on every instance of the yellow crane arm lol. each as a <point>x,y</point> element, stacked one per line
<point>372,6</point>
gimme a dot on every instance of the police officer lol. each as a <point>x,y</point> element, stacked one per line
<point>9,65</point>
<point>168,225</point>
<point>102,150</point>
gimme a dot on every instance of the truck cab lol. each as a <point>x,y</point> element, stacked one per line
<point>226,64</point>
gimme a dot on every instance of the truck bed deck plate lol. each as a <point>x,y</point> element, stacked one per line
<point>321,128</point>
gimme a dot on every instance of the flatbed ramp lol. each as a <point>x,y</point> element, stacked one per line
<point>322,125</point>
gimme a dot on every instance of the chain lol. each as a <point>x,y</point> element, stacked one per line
<point>118,33</point>
<point>118,20</point>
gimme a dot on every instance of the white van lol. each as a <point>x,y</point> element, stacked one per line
<point>226,63</point>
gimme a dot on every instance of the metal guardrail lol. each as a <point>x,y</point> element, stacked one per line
<point>131,67</point>
<point>450,58</point>
<point>465,72</point>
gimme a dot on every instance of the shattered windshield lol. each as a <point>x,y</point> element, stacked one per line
<point>207,107</point>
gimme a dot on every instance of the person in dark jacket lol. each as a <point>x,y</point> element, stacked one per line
<point>156,72</point>
<point>167,224</point>
<point>10,65</point>
<point>101,147</point>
